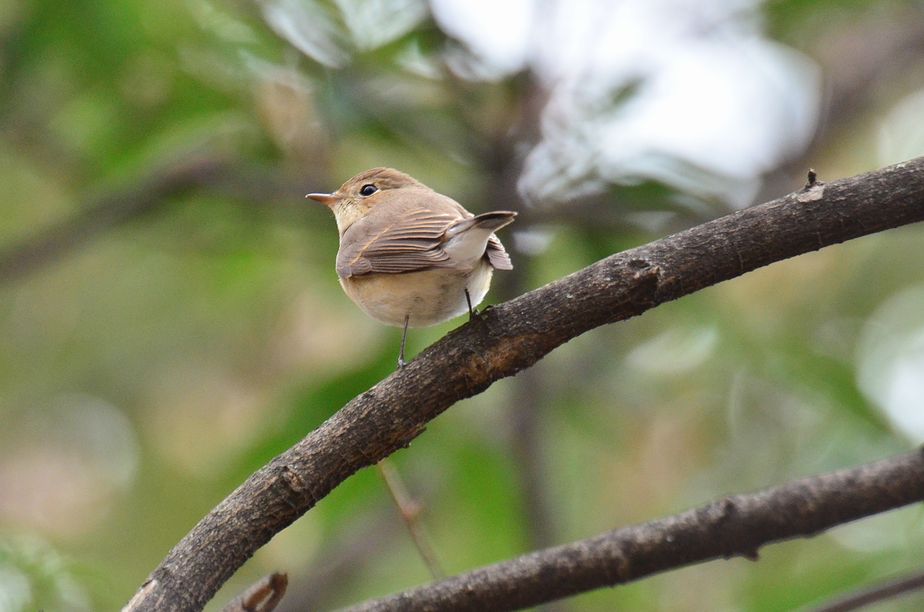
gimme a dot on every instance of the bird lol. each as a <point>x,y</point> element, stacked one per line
<point>410,256</point>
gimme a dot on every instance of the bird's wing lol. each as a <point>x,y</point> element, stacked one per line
<point>497,254</point>
<point>411,241</point>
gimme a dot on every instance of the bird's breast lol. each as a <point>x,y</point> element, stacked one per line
<point>427,297</point>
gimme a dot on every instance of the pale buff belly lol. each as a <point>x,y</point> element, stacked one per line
<point>427,297</point>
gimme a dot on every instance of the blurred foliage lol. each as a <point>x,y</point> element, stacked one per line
<point>149,368</point>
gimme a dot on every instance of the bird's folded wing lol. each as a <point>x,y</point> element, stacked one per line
<point>412,242</point>
<point>497,254</point>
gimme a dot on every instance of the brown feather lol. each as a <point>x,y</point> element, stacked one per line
<point>403,229</point>
<point>497,255</point>
<point>410,242</point>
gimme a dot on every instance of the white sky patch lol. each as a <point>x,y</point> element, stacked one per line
<point>534,241</point>
<point>712,105</point>
<point>674,351</point>
<point>901,133</point>
<point>891,362</point>
<point>498,31</point>
<point>712,91</point>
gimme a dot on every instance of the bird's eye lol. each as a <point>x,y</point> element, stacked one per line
<point>368,190</point>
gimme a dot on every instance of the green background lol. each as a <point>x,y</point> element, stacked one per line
<point>170,318</point>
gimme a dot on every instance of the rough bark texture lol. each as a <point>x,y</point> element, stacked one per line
<point>508,338</point>
<point>734,526</point>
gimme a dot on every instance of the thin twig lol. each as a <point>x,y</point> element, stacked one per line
<point>346,552</point>
<point>410,510</point>
<point>263,596</point>
<point>876,594</point>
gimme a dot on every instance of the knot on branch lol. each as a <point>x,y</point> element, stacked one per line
<point>294,490</point>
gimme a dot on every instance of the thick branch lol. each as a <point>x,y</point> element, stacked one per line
<point>508,338</point>
<point>734,526</point>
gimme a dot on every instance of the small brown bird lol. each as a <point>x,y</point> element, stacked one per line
<point>410,256</point>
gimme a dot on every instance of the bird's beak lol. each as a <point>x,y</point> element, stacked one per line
<point>327,199</point>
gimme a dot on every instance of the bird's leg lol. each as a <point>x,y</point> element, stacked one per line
<point>401,362</point>
<point>468,300</point>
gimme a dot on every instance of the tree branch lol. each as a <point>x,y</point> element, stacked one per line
<point>410,510</point>
<point>108,211</point>
<point>263,596</point>
<point>197,173</point>
<point>876,594</point>
<point>734,526</point>
<point>507,339</point>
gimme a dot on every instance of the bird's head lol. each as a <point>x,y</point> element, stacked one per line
<point>356,197</point>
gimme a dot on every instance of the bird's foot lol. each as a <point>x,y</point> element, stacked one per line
<point>477,315</point>
<point>401,361</point>
<point>472,311</point>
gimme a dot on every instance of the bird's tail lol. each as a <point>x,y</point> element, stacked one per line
<point>468,239</point>
<point>489,221</point>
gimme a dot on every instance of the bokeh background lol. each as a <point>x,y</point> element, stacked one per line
<point>170,318</point>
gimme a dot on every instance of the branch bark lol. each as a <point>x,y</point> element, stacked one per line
<point>734,526</point>
<point>509,338</point>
